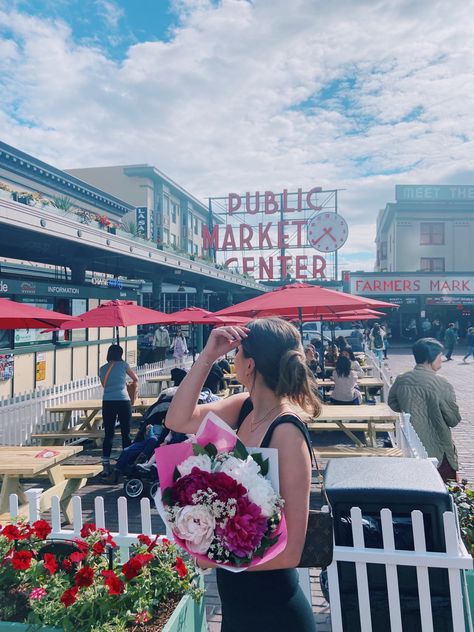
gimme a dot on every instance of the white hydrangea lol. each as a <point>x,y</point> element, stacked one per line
<point>201,461</point>
<point>262,494</point>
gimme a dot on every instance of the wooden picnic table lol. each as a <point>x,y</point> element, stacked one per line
<point>343,416</point>
<point>364,384</point>
<point>17,463</point>
<point>160,379</point>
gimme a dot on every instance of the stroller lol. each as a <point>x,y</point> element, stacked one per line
<point>140,482</point>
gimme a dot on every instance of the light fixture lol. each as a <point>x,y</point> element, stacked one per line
<point>181,287</point>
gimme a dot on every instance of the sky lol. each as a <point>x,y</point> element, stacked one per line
<point>246,95</point>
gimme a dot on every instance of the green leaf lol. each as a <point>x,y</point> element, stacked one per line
<point>211,450</point>
<point>198,449</point>
<point>176,474</point>
<point>240,451</point>
<point>167,496</point>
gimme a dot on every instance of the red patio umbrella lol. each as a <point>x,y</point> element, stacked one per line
<point>116,314</point>
<point>15,315</point>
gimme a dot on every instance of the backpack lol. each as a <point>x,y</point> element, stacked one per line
<point>378,340</point>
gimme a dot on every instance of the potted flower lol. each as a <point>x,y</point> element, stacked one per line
<point>103,221</point>
<point>5,191</point>
<point>463,497</point>
<point>82,586</point>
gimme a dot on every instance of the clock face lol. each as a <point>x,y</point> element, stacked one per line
<point>327,232</point>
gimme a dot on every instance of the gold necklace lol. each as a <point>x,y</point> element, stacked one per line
<point>259,421</point>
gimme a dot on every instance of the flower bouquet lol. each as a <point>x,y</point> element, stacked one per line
<point>103,221</point>
<point>80,585</point>
<point>220,499</point>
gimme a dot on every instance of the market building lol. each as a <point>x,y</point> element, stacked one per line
<point>425,259</point>
<point>69,245</point>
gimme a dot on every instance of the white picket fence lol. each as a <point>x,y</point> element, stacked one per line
<point>455,559</point>
<point>24,414</point>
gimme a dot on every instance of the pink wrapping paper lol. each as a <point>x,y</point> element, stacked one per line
<point>212,430</point>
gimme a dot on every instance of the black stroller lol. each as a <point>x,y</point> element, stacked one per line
<point>140,481</point>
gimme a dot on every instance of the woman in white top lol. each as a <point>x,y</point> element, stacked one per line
<point>355,366</point>
<point>345,383</point>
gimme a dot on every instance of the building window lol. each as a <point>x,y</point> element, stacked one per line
<point>166,236</point>
<point>196,225</point>
<point>174,212</point>
<point>431,233</point>
<point>173,239</point>
<point>195,249</point>
<point>432,264</point>
<point>383,250</point>
<point>190,247</point>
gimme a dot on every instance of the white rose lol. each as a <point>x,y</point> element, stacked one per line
<point>263,495</point>
<point>195,525</point>
<point>201,461</point>
<point>244,472</point>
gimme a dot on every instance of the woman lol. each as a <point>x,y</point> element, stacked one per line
<point>470,344</point>
<point>115,401</point>
<point>341,343</point>
<point>355,366</point>
<point>431,402</point>
<point>312,360</point>
<point>270,363</point>
<point>345,383</point>
<point>180,348</point>
<point>331,355</point>
<point>377,336</point>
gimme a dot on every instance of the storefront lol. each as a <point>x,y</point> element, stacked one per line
<point>423,298</point>
<point>30,358</point>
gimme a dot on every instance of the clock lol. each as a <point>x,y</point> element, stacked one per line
<point>327,232</point>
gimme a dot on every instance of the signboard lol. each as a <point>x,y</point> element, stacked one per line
<point>291,225</point>
<point>62,290</point>
<point>414,284</point>
<point>447,193</point>
<point>33,336</point>
<point>142,221</point>
<point>450,300</point>
<point>40,367</point>
<point>7,364</point>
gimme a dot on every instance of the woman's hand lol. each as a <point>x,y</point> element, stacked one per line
<point>224,339</point>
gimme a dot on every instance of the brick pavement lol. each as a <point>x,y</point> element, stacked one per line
<point>460,375</point>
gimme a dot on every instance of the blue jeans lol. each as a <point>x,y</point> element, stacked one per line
<point>379,354</point>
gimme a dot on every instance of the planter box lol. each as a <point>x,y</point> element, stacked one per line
<point>188,616</point>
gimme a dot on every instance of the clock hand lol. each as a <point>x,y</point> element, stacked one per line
<point>328,232</point>
<point>318,239</point>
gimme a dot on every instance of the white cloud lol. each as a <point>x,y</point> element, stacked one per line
<point>217,106</point>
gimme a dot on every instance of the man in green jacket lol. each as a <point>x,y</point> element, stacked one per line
<point>431,402</point>
<point>450,339</point>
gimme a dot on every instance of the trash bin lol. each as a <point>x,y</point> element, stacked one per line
<point>401,485</point>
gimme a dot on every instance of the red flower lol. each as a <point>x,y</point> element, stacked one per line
<point>11,532</point>
<point>113,583</point>
<point>50,563</point>
<point>81,545</point>
<point>223,485</point>
<point>98,548</point>
<point>131,568</point>
<point>67,565</point>
<point>144,558</point>
<point>88,529</point>
<point>21,560</point>
<point>84,577</point>
<point>243,532</point>
<point>41,529</point>
<point>144,539</point>
<point>181,567</point>
<point>68,597</point>
<point>77,557</point>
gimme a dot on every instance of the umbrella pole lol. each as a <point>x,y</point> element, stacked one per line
<point>117,334</point>
<point>322,346</point>
<point>193,340</point>
<point>300,317</point>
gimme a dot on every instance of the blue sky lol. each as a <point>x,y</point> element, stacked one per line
<point>240,95</point>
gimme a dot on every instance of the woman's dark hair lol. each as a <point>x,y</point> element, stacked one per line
<point>275,347</point>
<point>343,366</point>
<point>114,353</point>
<point>341,343</point>
<point>427,350</point>
<point>349,351</point>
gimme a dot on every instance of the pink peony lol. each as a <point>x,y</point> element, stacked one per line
<point>223,485</point>
<point>243,533</point>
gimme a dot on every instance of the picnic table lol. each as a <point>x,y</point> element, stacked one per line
<point>364,383</point>
<point>88,428</point>
<point>160,380</point>
<point>348,419</point>
<point>17,463</point>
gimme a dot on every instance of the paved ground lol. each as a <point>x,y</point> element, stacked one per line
<point>400,360</point>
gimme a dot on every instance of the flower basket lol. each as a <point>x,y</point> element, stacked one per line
<point>83,586</point>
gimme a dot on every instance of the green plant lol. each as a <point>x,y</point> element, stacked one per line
<point>463,497</point>
<point>63,203</point>
<point>86,588</point>
<point>129,226</point>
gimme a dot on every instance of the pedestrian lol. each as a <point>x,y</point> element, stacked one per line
<point>116,402</point>
<point>450,339</point>
<point>436,329</point>
<point>161,343</point>
<point>431,402</point>
<point>270,363</point>
<point>312,360</point>
<point>355,365</point>
<point>470,344</point>
<point>345,390</point>
<point>180,348</point>
<point>377,336</point>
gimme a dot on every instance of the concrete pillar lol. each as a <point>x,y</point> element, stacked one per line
<point>78,273</point>
<point>199,328</point>
<point>230,298</point>
<point>157,283</point>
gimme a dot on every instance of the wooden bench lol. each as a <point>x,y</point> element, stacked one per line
<point>50,438</point>
<point>334,452</point>
<point>357,426</point>
<point>86,470</point>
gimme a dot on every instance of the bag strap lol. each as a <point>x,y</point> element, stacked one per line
<point>106,377</point>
